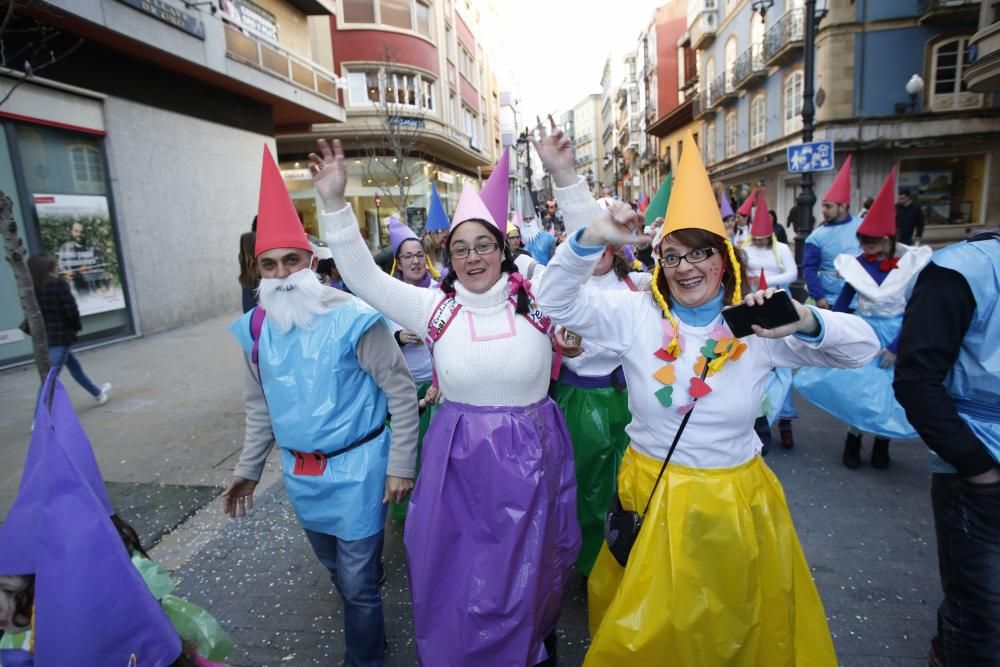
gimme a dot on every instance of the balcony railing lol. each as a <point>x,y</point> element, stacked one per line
<point>749,68</point>
<point>947,11</point>
<point>722,90</point>
<point>783,40</point>
<point>700,106</point>
<point>274,59</point>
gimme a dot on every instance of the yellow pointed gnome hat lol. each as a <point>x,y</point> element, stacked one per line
<point>693,204</point>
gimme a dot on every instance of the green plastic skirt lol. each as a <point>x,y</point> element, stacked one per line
<point>399,509</point>
<point>596,420</point>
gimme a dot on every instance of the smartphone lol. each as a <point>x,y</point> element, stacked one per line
<point>572,339</point>
<point>774,312</point>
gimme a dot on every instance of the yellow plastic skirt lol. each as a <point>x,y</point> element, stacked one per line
<point>716,578</point>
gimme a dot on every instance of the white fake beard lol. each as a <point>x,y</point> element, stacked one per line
<point>294,301</point>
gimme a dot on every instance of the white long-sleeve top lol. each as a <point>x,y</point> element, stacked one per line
<point>488,356</point>
<point>720,431</point>
<point>763,258</point>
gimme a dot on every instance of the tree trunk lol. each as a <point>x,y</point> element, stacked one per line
<point>16,255</point>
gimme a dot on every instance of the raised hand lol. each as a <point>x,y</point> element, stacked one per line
<point>556,152</point>
<point>618,225</point>
<point>329,174</point>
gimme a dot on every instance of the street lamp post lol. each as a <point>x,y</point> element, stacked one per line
<point>806,200</point>
<point>525,146</point>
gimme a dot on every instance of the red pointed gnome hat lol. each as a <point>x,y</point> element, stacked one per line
<point>881,217</point>
<point>840,191</point>
<point>278,224</point>
<point>747,206</point>
<point>471,207</point>
<point>762,226</point>
<point>496,191</point>
<point>762,283</point>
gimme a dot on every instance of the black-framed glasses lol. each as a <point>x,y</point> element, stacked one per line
<point>694,257</point>
<point>482,249</point>
<point>514,237</point>
<point>412,255</point>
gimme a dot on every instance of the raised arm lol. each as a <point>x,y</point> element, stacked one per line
<point>408,305</point>
<point>556,152</point>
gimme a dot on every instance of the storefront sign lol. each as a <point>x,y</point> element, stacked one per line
<point>406,121</point>
<point>76,230</point>
<point>257,20</point>
<point>445,178</point>
<point>169,14</point>
<point>296,175</point>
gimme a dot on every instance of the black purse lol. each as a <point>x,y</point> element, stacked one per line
<point>621,526</point>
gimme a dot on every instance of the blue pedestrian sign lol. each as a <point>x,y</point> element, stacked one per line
<point>814,156</point>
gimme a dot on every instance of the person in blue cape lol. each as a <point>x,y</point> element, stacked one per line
<point>878,280</point>
<point>948,381</point>
<point>538,242</point>
<point>322,372</point>
<point>836,236</point>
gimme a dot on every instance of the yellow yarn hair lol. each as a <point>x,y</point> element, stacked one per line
<point>738,288</point>
<point>674,346</point>
<point>774,249</point>
<point>31,640</point>
<point>435,274</point>
<point>392,271</point>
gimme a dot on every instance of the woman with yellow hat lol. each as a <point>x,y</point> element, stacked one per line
<point>716,575</point>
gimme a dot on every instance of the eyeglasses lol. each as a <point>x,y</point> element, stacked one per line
<point>482,249</point>
<point>694,257</point>
<point>413,255</point>
<point>514,237</point>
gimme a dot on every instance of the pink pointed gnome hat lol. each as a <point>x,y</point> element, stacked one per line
<point>496,191</point>
<point>746,208</point>
<point>762,226</point>
<point>471,207</point>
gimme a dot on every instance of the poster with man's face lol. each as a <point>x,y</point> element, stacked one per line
<point>76,230</point>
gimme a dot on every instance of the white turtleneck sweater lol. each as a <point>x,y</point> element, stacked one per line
<point>764,258</point>
<point>488,356</point>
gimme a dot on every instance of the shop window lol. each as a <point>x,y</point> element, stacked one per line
<point>792,96</point>
<point>359,11</point>
<point>949,190</point>
<point>948,91</point>
<point>758,121</point>
<point>86,169</point>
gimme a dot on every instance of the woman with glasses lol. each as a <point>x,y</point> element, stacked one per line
<point>879,282</point>
<point>412,266</point>
<point>491,532</point>
<point>716,576</point>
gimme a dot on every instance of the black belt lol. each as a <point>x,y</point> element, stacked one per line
<point>343,450</point>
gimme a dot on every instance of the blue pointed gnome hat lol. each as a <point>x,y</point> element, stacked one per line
<point>92,606</point>
<point>437,219</point>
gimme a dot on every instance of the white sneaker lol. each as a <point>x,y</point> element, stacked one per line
<point>105,394</point>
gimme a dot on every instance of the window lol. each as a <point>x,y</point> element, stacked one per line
<point>710,139</point>
<point>470,125</point>
<point>423,19</point>
<point>359,11</point>
<point>731,131</point>
<point>709,74</point>
<point>466,64</point>
<point>758,121</point>
<point>792,94</point>
<point>369,87</point>
<point>396,13</point>
<point>948,91</point>
<point>87,170</point>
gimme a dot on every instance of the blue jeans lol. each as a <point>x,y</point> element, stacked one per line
<point>967,522</point>
<point>62,355</point>
<point>353,566</point>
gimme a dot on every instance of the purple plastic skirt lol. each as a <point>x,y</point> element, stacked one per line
<point>491,534</point>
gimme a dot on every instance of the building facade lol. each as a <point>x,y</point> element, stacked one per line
<point>422,107</point>
<point>944,139</point>
<point>134,159</point>
<point>587,139</point>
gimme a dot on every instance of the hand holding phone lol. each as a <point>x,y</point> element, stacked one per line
<point>777,310</point>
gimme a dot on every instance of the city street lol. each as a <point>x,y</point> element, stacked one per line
<point>172,431</point>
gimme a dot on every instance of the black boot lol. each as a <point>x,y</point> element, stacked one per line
<point>785,431</point>
<point>880,453</point>
<point>852,451</point>
<point>763,430</point>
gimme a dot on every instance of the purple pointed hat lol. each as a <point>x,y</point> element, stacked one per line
<point>92,606</point>
<point>496,191</point>
<point>398,232</point>
<point>726,209</point>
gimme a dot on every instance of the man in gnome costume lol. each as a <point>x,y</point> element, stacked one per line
<point>880,278</point>
<point>538,242</point>
<point>77,598</point>
<point>836,236</point>
<point>948,380</point>
<point>329,370</point>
